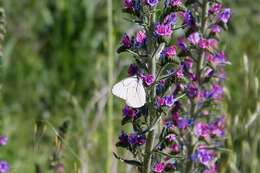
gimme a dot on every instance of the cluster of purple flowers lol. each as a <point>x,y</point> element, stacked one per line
<point>4,166</point>
<point>184,93</point>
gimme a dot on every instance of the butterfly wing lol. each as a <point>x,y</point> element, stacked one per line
<point>136,96</point>
<point>120,89</point>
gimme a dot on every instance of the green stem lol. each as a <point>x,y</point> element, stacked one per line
<point>151,134</point>
<point>110,83</point>
<point>148,152</point>
<point>202,30</point>
<point>189,166</point>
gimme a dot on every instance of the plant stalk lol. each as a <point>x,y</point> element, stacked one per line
<point>202,30</point>
<point>151,134</point>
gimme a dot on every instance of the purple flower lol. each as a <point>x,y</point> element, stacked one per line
<point>126,41</point>
<point>4,166</point>
<point>203,43</point>
<point>123,140</point>
<point>202,130</point>
<point>188,19</point>
<point>217,127</point>
<point>215,8</point>
<point>163,30</point>
<point>128,4</point>
<point>136,139</point>
<point>170,52</point>
<point>181,43</point>
<point>175,148</point>
<point>212,43</point>
<point>204,156</point>
<point>159,167</point>
<point>192,90</point>
<point>148,79</point>
<point>170,19</point>
<point>171,137</point>
<point>3,140</point>
<point>219,59</point>
<point>169,101</point>
<point>129,112</point>
<point>215,29</point>
<point>183,123</point>
<point>132,70</point>
<point>208,73</point>
<point>216,92</point>
<point>179,72</point>
<point>176,2</point>
<point>152,3</point>
<point>225,15</point>
<point>140,37</point>
<point>194,38</point>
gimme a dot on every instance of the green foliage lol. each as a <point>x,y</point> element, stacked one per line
<point>55,69</point>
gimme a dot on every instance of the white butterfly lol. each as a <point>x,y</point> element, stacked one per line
<point>131,90</point>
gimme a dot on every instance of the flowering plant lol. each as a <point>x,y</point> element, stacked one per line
<point>4,166</point>
<point>177,57</point>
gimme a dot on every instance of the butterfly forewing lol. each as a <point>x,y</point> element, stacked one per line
<point>136,96</point>
<point>131,90</point>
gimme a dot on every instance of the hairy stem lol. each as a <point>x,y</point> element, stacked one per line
<point>151,134</point>
<point>202,30</point>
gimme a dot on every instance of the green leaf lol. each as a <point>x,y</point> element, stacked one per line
<point>130,162</point>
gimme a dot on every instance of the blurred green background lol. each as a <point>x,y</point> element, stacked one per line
<point>55,69</point>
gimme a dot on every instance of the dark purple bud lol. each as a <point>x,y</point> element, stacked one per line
<point>136,139</point>
<point>128,4</point>
<point>132,69</point>
<point>123,140</point>
<point>192,90</point>
<point>126,41</point>
<point>129,112</point>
